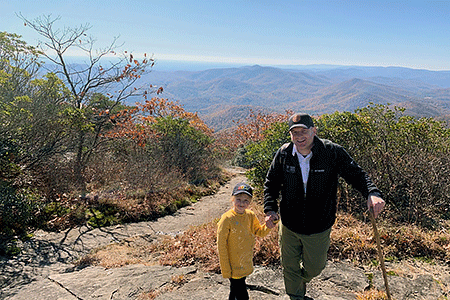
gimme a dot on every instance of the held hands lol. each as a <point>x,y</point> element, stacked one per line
<point>271,219</point>
<point>375,203</point>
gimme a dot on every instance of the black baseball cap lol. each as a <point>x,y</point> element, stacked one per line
<point>300,120</point>
<point>242,188</point>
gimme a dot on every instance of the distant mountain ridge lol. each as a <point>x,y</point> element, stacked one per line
<point>219,94</point>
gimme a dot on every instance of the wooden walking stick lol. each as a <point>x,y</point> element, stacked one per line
<point>380,252</point>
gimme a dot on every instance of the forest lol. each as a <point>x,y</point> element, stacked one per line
<point>72,152</point>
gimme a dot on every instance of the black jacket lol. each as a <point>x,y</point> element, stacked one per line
<point>314,211</point>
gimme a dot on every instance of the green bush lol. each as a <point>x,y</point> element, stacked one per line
<point>183,147</point>
<point>259,155</point>
<point>55,209</point>
<point>240,158</point>
<point>16,211</point>
<point>102,216</point>
<point>408,159</point>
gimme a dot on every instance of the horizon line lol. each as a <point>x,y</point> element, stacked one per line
<point>222,63</point>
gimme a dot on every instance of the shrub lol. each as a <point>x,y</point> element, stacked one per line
<point>407,158</point>
<point>259,155</point>
<point>183,147</point>
<point>16,211</point>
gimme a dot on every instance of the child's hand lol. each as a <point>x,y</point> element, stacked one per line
<point>270,224</point>
<point>271,219</point>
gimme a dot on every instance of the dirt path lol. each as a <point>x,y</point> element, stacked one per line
<point>49,252</point>
<point>209,208</point>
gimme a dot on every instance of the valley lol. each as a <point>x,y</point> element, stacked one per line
<point>226,94</point>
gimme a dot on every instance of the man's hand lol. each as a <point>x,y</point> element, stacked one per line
<point>376,204</point>
<point>271,219</point>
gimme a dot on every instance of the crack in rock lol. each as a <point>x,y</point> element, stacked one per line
<point>65,288</point>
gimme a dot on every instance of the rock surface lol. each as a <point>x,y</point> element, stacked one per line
<point>45,269</point>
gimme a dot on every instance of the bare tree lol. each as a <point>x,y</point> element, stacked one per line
<point>104,72</point>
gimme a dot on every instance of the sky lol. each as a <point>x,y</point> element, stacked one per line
<point>412,34</point>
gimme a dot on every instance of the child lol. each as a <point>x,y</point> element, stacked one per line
<point>235,240</point>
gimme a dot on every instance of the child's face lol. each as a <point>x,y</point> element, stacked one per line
<point>241,202</point>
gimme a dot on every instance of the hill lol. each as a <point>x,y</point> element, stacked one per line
<point>354,93</point>
<point>221,95</point>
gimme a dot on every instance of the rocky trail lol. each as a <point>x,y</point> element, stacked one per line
<point>45,269</point>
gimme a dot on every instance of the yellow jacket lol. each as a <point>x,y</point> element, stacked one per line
<point>235,241</point>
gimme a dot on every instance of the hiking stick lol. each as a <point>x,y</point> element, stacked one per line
<point>380,252</point>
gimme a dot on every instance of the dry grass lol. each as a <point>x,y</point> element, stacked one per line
<point>351,239</point>
<point>372,294</point>
<point>124,204</point>
<point>175,282</point>
<point>267,251</point>
<point>196,246</point>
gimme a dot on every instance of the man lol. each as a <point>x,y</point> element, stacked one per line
<point>305,172</point>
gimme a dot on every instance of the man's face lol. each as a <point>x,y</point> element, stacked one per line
<point>303,138</point>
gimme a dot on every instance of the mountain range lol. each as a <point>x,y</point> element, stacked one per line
<point>226,94</point>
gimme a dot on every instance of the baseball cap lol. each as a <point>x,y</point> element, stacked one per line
<point>300,120</point>
<point>242,188</point>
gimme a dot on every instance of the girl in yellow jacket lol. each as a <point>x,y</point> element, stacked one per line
<point>236,233</point>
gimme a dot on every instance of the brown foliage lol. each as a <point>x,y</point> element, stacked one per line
<point>353,239</point>
<point>184,250</point>
<point>252,130</point>
<point>135,123</point>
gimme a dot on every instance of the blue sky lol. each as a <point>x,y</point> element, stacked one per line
<point>414,34</point>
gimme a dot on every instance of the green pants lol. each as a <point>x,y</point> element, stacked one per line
<point>303,257</point>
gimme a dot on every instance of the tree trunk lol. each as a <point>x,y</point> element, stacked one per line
<point>79,165</point>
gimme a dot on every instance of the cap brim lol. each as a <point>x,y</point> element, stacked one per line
<point>242,192</point>
<point>298,125</point>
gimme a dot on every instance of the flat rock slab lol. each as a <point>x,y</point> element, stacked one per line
<point>102,284</point>
<point>339,281</point>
